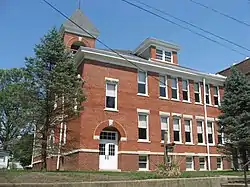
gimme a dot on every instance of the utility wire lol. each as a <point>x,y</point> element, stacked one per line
<point>139,68</point>
<point>183,27</point>
<point>220,13</point>
<point>191,24</point>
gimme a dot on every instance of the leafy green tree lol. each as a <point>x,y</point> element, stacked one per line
<point>22,151</point>
<point>13,107</point>
<point>55,90</point>
<point>234,121</point>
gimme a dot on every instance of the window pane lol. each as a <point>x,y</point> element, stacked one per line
<point>174,83</point>
<point>219,139</point>
<point>196,87</point>
<point>188,136</point>
<point>184,84</point>
<point>110,102</point>
<point>174,94</point>
<point>216,101</point>
<point>162,91</point>
<point>142,121</point>
<point>202,163</point>
<point>216,90</point>
<point>210,138</point>
<point>187,125</point>
<point>141,88</point>
<point>177,136</point>
<point>143,165</point>
<point>219,163</point>
<point>162,134</point>
<point>209,127</point>
<point>200,138</point>
<point>197,97</point>
<point>185,95</point>
<point>142,158</point>
<point>176,124</point>
<point>164,123</point>
<point>162,81</point>
<point>142,76</point>
<point>207,89</point>
<point>111,149</point>
<point>101,149</point>
<point>207,99</point>
<point>199,127</point>
<point>110,90</point>
<point>159,54</point>
<point>142,133</point>
<point>189,162</point>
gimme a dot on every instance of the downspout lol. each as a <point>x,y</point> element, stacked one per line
<point>205,123</point>
<point>59,148</point>
<point>33,149</point>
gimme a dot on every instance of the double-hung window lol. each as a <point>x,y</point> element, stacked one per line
<point>216,96</point>
<point>164,55</point>
<point>143,162</point>
<point>210,132</point>
<point>220,136</point>
<point>174,87</point>
<point>111,95</point>
<point>200,132</point>
<point>142,83</point>
<point>197,92</point>
<point>202,162</point>
<point>163,86</point>
<point>177,129</point>
<point>164,127</point>
<point>185,90</point>
<point>143,126</point>
<point>219,163</point>
<point>189,163</point>
<point>188,130</point>
<point>207,89</point>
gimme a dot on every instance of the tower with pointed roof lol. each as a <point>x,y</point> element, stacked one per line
<point>79,31</point>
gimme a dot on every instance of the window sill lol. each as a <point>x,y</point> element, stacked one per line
<point>179,143</point>
<point>211,144</point>
<point>189,169</point>
<point>198,103</point>
<point>172,99</point>
<point>111,110</point>
<point>189,143</point>
<point>202,144</point>
<point>209,105</point>
<point>144,95</point>
<point>142,169</point>
<point>184,101</point>
<point>164,98</point>
<point>143,141</point>
<point>162,142</point>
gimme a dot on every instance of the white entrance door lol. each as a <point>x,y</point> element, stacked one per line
<point>108,150</point>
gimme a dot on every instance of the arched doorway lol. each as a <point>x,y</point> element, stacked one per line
<point>108,149</point>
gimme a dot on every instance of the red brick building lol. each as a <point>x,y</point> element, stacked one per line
<point>132,100</point>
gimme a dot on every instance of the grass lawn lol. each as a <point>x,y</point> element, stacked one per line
<point>83,176</point>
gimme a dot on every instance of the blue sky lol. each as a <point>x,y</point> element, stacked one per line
<point>23,23</point>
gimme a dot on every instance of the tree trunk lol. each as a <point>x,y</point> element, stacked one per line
<point>235,159</point>
<point>44,148</point>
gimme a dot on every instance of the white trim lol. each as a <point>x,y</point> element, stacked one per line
<point>107,79</point>
<point>218,96</point>
<point>210,119</point>
<point>111,109</point>
<point>96,137</point>
<point>36,162</point>
<point>205,164</point>
<point>221,168</point>
<point>123,139</point>
<point>209,95</point>
<point>147,162</point>
<point>199,86</point>
<point>199,117</point>
<point>143,141</point>
<point>186,116</point>
<point>112,58</point>
<point>177,89</point>
<point>191,131</point>
<point>115,83</point>
<point>163,54</point>
<point>166,86</point>
<point>180,130</point>
<point>176,115</point>
<point>144,111</point>
<point>213,133</point>
<point>168,131</point>
<point>167,114</point>
<point>188,90</point>
<point>190,169</point>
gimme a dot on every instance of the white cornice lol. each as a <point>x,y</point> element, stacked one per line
<point>158,67</point>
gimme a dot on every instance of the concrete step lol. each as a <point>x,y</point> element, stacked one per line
<point>238,180</point>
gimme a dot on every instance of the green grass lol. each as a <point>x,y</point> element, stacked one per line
<point>83,176</point>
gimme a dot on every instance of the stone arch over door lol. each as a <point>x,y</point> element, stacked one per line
<point>75,39</point>
<point>110,123</point>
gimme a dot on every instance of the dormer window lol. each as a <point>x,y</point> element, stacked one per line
<point>164,55</point>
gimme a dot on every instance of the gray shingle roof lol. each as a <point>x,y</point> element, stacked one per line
<point>79,18</point>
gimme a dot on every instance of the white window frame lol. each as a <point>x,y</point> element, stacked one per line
<point>218,95</point>
<point>199,86</point>
<point>221,168</point>
<point>209,94</point>
<point>191,130</point>
<point>147,162</point>
<point>114,82</point>
<point>188,93</point>
<point>203,132</point>
<point>146,83</point>
<point>143,112</point>
<point>65,134</point>
<point>190,169</point>
<point>212,122</point>
<point>165,116</point>
<point>163,55</point>
<point>166,86</point>
<point>179,118</point>
<point>222,137</point>
<point>205,164</point>
<point>177,89</point>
